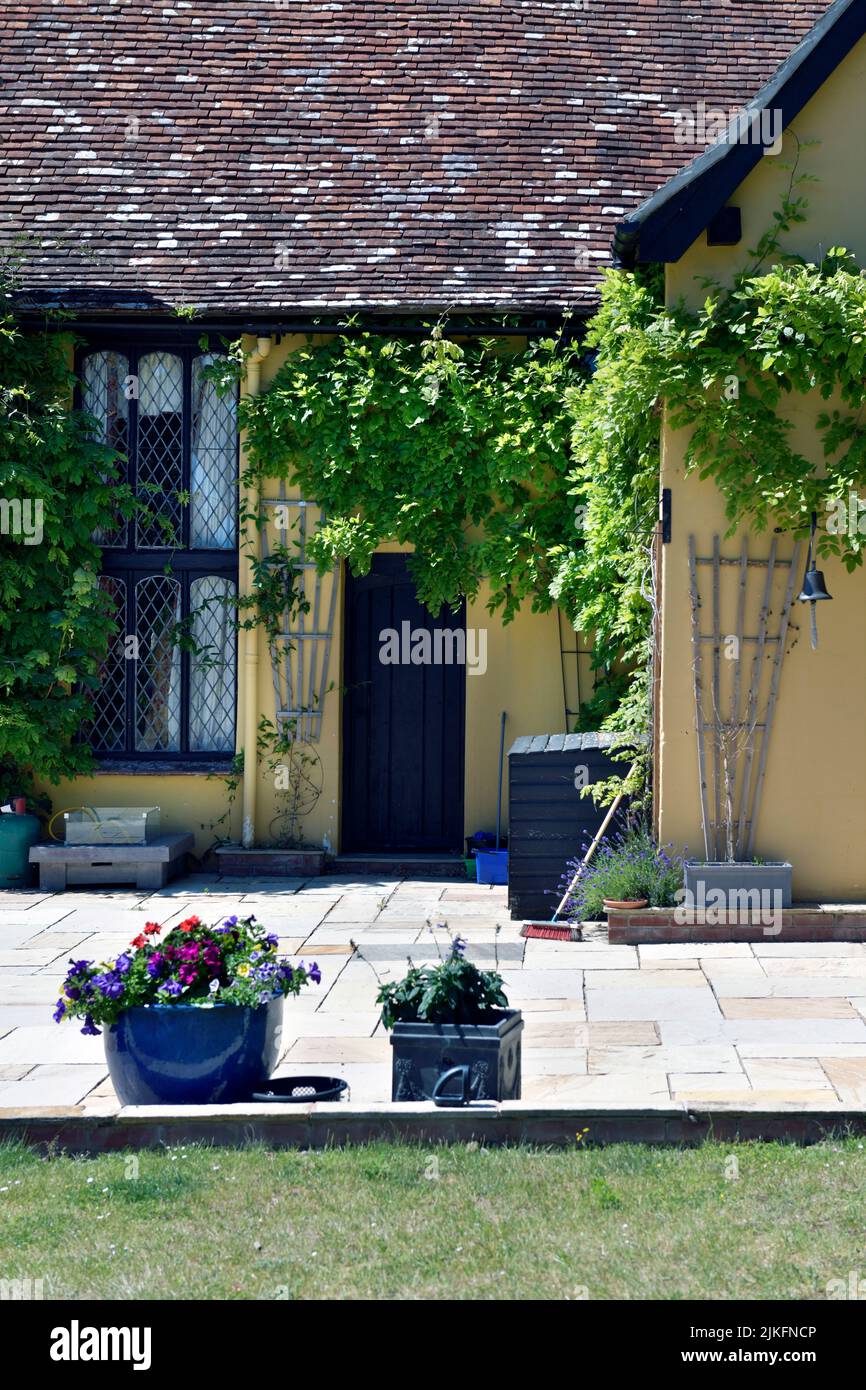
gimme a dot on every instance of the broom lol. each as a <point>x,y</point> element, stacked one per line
<point>554,930</point>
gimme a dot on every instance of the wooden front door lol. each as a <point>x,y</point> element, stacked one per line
<point>403,722</point>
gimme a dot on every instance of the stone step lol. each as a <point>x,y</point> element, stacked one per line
<point>401,865</point>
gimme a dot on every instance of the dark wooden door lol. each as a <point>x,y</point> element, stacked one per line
<point>403,724</point>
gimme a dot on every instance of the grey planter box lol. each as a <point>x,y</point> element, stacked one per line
<point>704,877</point>
<point>423,1051</point>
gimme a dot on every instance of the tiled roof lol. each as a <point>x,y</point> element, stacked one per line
<point>380,154</point>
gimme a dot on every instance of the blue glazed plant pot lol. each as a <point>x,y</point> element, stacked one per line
<point>178,1054</point>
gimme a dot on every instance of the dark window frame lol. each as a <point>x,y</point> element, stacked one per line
<point>186,565</point>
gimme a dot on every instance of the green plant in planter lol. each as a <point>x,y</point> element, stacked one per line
<point>626,867</point>
<point>454,991</point>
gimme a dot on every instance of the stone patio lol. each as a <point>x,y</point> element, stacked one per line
<point>755,1026</point>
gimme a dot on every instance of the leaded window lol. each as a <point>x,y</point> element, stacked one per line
<point>167,685</point>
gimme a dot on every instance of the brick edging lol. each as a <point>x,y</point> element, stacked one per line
<point>659,924</point>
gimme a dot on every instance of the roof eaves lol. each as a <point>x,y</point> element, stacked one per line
<point>665,225</point>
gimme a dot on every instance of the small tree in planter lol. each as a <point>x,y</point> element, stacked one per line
<point>451,1022</point>
<point>193,1018</point>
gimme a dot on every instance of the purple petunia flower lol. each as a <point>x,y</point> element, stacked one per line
<point>272,939</point>
<point>59,1011</point>
<point>173,987</point>
<point>110,984</point>
<point>122,964</point>
<point>458,945</point>
<point>315,974</point>
<point>230,922</point>
<point>90,1027</point>
<point>155,965</point>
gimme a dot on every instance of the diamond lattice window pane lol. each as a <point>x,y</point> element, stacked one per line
<point>103,397</point>
<point>160,449</point>
<point>108,728</point>
<point>212,666</point>
<point>213,465</point>
<point>158,671</point>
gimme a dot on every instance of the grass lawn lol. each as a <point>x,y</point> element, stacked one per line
<point>394,1221</point>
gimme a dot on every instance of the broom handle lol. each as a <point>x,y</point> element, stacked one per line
<point>593,847</point>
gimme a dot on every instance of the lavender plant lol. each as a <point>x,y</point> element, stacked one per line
<point>626,866</point>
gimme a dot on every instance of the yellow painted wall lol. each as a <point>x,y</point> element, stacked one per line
<point>523,677</point>
<point>814,802</point>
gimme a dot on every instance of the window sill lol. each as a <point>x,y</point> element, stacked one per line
<point>217,767</point>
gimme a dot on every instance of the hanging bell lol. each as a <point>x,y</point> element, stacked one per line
<point>814,589</point>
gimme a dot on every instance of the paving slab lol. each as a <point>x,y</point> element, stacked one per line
<point>658,1004</point>
<point>50,1044</point>
<point>693,1083</point>
<point>794,1098</point>
<point>847,1075</point>
<point>27,956</point>
<point>543,984</point>
<point>787,1008</point>
<point>786,1074</point>
<point>622,1060</point>
<point>651,979</point>
<point>65,1084</point>
<point>801,1031</point>
<point>712,950</point>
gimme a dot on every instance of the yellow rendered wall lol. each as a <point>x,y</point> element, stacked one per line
<point>186,802</point>
<point>523,677</point>
<point>814,801</point>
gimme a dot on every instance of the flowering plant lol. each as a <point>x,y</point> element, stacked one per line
<point>234,963</point>
<point>625,867</point>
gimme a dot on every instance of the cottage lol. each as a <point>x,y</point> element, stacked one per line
<point>210,172</point>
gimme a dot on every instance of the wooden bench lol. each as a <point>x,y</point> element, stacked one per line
<point>147,866</point>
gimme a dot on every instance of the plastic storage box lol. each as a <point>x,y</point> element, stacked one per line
<point>112,825</point>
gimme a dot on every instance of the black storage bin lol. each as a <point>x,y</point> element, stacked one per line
<point>549,822</point>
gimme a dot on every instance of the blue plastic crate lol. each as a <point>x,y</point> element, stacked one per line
<point>491,866</point>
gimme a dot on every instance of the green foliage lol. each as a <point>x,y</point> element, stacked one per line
<point>454,991</point>
<point>605,584</point>
<point>54,621</point>
<point>731,369</point>
<point>459,450</point>
<point>625,868</point>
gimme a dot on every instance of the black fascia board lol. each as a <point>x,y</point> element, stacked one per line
<point>667,224</point>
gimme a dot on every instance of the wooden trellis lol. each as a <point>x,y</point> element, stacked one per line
<point>738,743</point>
<point>300,653</point>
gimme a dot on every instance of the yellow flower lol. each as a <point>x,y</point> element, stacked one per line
<point>243,971</point>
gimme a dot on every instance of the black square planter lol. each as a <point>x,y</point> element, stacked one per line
<point>424,1051</point>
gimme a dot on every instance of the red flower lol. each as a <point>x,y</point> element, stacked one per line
<point>190,924</point>
<point>138,942</point>
<point>152,928</point>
